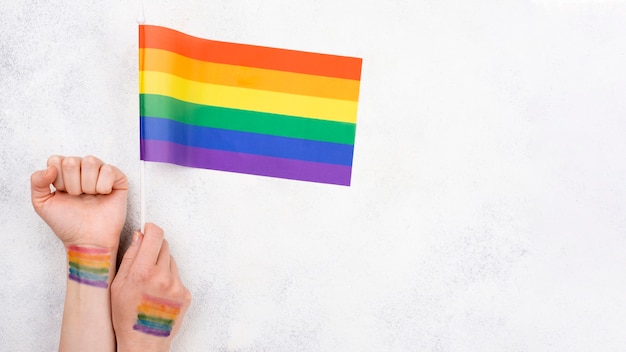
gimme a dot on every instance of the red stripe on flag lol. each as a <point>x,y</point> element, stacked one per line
<point>249,55</point>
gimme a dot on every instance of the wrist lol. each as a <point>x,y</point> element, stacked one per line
<point>91,265</point>
<point>109,245</point>
<point>87,310</point>
<point>131,346</point>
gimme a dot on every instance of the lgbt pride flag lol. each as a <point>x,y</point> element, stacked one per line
<point>245,108</point>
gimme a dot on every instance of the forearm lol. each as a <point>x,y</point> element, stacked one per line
<point>142,347</point>
<point>87,312</point>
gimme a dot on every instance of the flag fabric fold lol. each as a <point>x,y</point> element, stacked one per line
<point>245,108</point>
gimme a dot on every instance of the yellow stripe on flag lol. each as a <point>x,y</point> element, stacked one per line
<point>247,99</point>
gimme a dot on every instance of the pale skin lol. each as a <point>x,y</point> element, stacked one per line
<point>147,269</point>
<point>88,209</point>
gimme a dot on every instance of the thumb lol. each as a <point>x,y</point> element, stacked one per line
<point>131,253</point>
<point>40,185</point>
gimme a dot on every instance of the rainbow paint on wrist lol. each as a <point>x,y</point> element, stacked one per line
<point>156,316</point>
<point>89,266</point>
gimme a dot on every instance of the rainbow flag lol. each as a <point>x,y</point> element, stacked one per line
<point>245,108</point>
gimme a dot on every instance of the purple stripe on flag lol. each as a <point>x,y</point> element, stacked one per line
<point>152,150</point>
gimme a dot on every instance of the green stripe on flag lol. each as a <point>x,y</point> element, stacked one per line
<point>153,105</point>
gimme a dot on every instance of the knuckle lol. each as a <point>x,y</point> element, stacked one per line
<point>105,168</point>
<point>142,274</point>
<point>177,291</point>
<point>180,292</point>
<point>163,284</point>
<point>54,159</point>
<point>90,160</point>
<point>70,163</point>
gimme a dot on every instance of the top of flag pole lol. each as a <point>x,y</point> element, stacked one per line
<point>141,18</point>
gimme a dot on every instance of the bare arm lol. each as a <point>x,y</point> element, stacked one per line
<point>148,298</point>
<point>86,211</point>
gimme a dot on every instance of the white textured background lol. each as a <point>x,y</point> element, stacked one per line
<point>488,205</point>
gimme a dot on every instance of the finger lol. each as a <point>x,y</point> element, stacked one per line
<point>89,169</point>
<point>173,266</point>
<point>130,255</point>
<point>111,178</point>
<point>163,260</point>
<point>150,245</point>
<point>40,185</point>
<point>55,161</point>
<point>70,168</point>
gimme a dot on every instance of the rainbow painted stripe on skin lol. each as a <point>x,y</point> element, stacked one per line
<point>89,266</point>
<point>156,316</point>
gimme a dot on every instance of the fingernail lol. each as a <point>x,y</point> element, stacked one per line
<point>135,238</point>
